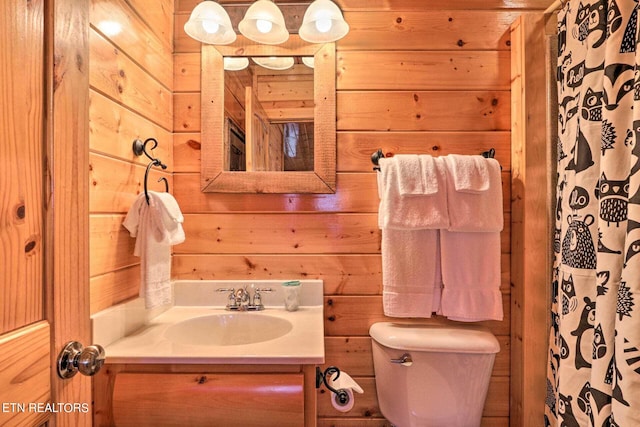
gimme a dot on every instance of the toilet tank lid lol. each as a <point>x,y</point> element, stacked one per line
<point>435,338</point>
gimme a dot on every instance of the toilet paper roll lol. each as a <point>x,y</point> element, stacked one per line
<point>339,406</point>
<point>348,384</point>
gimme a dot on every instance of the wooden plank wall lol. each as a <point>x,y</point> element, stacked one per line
<point>131,96</point>
<point>412,77</point>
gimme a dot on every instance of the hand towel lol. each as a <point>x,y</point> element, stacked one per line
<point>410,272</point>
<point>156,226</point>
<point>474,193</point>
<point>416,175</point>
<point>471,276</point>
<point>412,211</point>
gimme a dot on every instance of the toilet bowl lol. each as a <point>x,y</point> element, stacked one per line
<point>432,375</point>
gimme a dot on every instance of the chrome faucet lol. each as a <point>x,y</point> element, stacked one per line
<point>241,299</point>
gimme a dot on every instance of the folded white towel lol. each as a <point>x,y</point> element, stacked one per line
<point>471,283</point>
<point>413,211</point>
<point>156,226</point>
<point>416,175</point>
<point>410,272</point>
<point>477,206</point>
<point>470,173</point>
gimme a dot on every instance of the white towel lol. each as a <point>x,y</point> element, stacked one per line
<point>474,193</point>
<point>156,226</point>
<point>471,276</point>
<point>412,211</point>
<point>410,272</point>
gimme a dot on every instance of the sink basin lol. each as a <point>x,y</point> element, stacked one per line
<point>228,329</point>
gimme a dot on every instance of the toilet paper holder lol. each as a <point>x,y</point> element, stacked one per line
<point>321,378</point>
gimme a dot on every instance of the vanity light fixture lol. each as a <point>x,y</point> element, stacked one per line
<point>264,23</point>
<point>309,61</point>
<point>210,23</point>
<point>278,63</point>
<point>232,63</point>
<point>323,23</point>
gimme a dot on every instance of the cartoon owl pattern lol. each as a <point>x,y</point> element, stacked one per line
<point>593,369</point>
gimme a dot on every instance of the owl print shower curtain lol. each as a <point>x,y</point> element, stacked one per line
<point>594,357</point>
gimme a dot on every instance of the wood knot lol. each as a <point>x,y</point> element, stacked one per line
<point>30,245</point>
<point>21,211</point>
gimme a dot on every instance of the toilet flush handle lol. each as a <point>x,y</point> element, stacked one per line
<point>404,360</point>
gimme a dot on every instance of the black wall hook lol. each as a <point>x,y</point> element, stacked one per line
<point>140,148</point>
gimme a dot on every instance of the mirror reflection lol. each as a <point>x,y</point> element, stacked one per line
<point>269,113</point>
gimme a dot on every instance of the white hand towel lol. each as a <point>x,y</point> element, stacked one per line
<point>470,173</point>
<point>156,226</point>
<point>477,206</point>
<point>416,175</point>
<point>471,276</point>
<point>410,272</point>
<point>415,211</point>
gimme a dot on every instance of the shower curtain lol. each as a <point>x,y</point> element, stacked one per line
<point>594,346</point>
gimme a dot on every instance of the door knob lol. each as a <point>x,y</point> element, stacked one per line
<point>74,358</point>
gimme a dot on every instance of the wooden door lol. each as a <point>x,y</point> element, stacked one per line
<point>43,208</point>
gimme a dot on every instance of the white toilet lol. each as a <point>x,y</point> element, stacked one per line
<point>431,375</point>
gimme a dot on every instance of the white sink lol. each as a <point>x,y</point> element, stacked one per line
<point>228,329</point>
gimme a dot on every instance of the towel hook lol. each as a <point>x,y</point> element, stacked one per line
<point>140,148</point>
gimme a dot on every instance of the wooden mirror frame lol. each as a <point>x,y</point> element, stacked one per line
<point>213,176</point>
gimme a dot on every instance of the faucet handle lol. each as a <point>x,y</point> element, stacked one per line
<point>232,303</point>
<point>257,298</point>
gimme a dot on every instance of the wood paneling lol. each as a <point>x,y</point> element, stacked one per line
<point>132,80</point>
<point>421,110</point>
<point>532,207</point>
<point>134,37</point>
<point>118,77</point>
<point>423,70</point>
<point>185,6</point>
<point>21,164</point>
<point>25,375</point>
<point>430,30</point>
<point>280,233</point>
<point>111,246</point>
<point>158,17</point>
<point>114,287</point>
<point>67,204</point>
<point>211,399</point>
<point>117,195</point>
<point>113,128</point>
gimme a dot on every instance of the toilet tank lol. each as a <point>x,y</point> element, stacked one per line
<point>445,384</point>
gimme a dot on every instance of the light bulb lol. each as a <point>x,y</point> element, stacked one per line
<point>211,27</point>
<point>323,25</point>
<point>263,25</point>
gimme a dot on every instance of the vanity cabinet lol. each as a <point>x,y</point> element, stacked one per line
<point>205,395</point>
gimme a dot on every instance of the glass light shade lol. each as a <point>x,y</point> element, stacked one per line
<point>278,63</point>
<point>309,61</point>
<point>209,23</point>
<point>235,64</point>
<point>323,22</point>
<point>264,23</point>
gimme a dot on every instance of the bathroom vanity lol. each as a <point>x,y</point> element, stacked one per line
<point>203,365</point>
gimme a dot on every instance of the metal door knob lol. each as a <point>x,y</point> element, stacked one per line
<point>74,358</point>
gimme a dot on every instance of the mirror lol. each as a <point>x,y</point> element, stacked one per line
<point>272,131</point>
